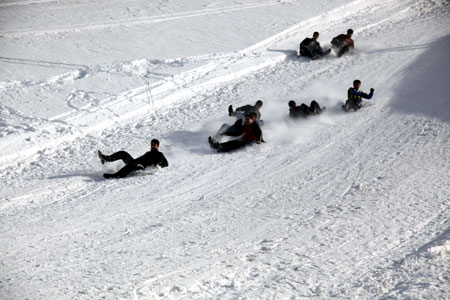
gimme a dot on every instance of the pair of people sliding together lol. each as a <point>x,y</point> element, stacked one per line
<point>340,44</point>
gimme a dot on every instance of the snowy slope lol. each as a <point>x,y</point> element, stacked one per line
<point>343,206</point>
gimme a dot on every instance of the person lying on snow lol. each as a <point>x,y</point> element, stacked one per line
<point>248,131</point>
<point>310,47</point>
<point>242,111</point>
<point>355,96</point>
<point>152,158</point>
<point>304,110</point>
<point>342,43</point>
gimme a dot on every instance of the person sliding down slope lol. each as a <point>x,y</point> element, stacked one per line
<point>249,133</point>
<point>355,96</point>
<point>310,47</point>
<point>152,158</point>
<point>304,110</point>
<point>342,43</point>
<point>242,111</point>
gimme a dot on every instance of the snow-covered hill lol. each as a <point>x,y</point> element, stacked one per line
<point>342,206</point>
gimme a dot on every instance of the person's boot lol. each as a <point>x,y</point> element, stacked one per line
<point>230,110</point>
<point>213,144</point>
<point>100,155</point>
<point>108,176</point>
<point>342,51</point>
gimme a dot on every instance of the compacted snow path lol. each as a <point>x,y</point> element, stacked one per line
<point>342,206</point>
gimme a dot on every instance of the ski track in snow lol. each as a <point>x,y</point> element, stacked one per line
<point>138,20</point>
<point>354,226</point>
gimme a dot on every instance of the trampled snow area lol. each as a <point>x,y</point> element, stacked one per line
<point>341,206</point>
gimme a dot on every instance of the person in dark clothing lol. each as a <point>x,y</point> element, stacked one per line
<point>342,43</point>
<point>152,158</point>
<point>304,110</point>
<point>355,96</point>
<point>240,112</point>
<point>249,133</point>
<point>310,47</point>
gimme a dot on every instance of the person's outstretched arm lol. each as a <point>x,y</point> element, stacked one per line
<point>163,161</point>
<point>362,94</point>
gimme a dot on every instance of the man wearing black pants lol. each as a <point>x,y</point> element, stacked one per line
<point>151,158</point>
<point>249,133</point>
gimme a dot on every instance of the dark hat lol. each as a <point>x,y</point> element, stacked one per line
<point>155,141</point>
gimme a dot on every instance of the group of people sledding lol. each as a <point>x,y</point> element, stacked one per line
<point>247,128</point>
<point>310,47</point>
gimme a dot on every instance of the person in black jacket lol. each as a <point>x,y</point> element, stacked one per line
<point>240,112</point>
<point>152,158</point>
<point>311,47</point>
<point>343,42</point>
<point>304,110</point>
<point>249,133</point>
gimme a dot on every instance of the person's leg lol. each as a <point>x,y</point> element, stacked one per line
<point>230,110</point>
<point>127,169</point>
<point>239,114</point>
<point>316,52</point>
<point>306,52</point>
<point>225,128</point>
<point>348,104</point>
<point>315,107</point>
<point>358,104</point>
<point>301,52</point>
<point>231,145</point>
<point>353,104</point>
<point>121,155</point>
<point>212,143</point>
<point>343,50</point>
<point>326,52</point>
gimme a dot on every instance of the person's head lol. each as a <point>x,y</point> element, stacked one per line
<point>154,144</point>
<point>349,32</point>
<point>315,35</point>
<point>259,104</point>
<point>250,118</point>
<point>356,84</point>
<point>292,104</point>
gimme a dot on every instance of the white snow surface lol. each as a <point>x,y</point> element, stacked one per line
<point>340,206</point>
